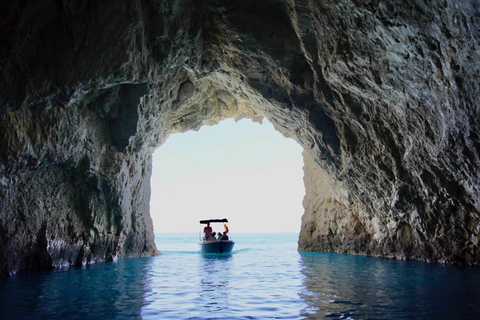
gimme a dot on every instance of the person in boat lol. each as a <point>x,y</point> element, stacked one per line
<point>212,237</point>
<point>220,236</point>
<point>208,231</point>
<point>224,237</point>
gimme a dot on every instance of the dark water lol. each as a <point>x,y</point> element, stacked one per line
<point>264,278</point>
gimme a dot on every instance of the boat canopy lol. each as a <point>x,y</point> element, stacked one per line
<point>213,220</point>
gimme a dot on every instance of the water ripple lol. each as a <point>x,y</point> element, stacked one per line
<point>259,280</point>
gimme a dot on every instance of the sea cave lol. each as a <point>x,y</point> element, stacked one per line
<point>383,96</point>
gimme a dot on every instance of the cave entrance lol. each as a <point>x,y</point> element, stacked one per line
<point>245,171</point>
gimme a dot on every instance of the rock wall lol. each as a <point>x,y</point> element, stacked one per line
<point>68,196</point>
<point>405,77</point>
<point>382,95</point>
<point>333,221</point>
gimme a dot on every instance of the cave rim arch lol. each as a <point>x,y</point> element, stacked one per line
<point>196,100</point>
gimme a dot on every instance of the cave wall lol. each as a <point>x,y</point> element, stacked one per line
<point>69,196</point>
<point>382,95</point>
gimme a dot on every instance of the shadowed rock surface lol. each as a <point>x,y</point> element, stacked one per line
<point>382,95</point>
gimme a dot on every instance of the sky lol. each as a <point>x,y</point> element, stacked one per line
<point>243,171</point>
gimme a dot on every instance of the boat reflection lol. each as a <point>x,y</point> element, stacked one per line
<point>214,282</point>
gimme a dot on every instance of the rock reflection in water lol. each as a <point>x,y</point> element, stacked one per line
<point>214,283</point>
<point>104,291</point>
<point>358,287</point>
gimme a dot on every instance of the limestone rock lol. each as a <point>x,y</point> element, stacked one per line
<point>382,95</point>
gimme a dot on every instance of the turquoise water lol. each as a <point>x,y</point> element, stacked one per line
<point>264,278</point>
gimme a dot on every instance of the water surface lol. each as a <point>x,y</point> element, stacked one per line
<point>264,278</point>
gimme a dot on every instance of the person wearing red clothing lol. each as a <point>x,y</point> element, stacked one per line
<point>208,231</point>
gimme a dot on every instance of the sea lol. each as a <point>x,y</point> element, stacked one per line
<point>265,277</point>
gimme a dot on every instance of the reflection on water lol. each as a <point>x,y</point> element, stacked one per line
<point>103,291</point>
<point>214,283</point>
<point>367,288</point>
<point>264,278</point>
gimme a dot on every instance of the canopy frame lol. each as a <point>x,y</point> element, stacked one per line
<point>213,221</point>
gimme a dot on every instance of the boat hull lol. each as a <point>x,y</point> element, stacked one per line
<point>217,246</point>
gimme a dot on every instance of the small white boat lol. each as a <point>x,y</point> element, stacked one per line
<point>209,243</point>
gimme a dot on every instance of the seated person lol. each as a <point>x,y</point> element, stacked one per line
<point>212,237</point>
<point>220,236</point>
<point>225,237</point>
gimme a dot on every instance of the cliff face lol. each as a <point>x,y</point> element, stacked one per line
<point>382,95</point>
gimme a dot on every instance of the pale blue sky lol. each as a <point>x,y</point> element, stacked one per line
<point>244,171</point>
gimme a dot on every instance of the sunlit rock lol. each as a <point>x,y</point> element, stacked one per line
<point>383,96</point>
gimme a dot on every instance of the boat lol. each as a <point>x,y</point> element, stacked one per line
<point>209,244</point>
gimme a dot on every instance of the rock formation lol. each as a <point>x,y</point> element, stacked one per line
<point>382,95</point>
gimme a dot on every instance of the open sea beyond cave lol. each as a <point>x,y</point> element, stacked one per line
<point>264,278</point>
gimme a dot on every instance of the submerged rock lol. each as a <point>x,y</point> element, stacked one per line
<point>382,95</point>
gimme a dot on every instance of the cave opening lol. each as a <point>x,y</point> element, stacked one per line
<point>245,171</point>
